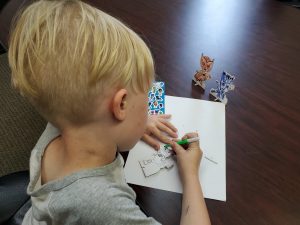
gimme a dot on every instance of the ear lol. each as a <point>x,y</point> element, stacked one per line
<point>210,65</point>
<point>204,60</point>
<point>119,104</point>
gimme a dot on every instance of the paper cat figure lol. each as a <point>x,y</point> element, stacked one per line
<point>223,86</point>
<point>161,159</point>
<point>204,74</point>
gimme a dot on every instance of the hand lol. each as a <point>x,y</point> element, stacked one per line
<point>157,128</point>
<point>188,160</point>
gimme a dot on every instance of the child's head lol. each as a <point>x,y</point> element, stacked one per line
<point>66,57</point>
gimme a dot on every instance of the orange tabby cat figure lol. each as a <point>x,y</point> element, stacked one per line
<point>206,66</point>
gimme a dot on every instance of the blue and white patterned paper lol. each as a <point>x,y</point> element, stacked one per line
<point>156,99</point>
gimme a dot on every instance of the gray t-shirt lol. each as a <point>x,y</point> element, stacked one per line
<point>91,196</point>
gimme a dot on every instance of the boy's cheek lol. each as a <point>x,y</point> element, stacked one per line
<point>131,137</point>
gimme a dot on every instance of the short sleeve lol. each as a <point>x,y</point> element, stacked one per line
<point>118,206</point>
<point>110,205</point>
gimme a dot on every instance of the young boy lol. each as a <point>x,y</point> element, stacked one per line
<point>88,75</point>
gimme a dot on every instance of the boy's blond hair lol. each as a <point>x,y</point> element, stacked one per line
<point>64,54</point>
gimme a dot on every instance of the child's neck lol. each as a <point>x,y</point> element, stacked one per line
<point>77,149</point>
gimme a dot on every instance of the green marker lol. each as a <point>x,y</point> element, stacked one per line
<point>184,141</point>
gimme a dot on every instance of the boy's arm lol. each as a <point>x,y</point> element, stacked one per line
<point>193,210</point>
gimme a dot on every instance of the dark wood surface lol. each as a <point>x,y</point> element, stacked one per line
<point>259,42</point>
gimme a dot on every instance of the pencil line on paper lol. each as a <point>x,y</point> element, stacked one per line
<point>210,160</point>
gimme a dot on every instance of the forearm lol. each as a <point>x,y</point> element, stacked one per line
<point>194,209</point>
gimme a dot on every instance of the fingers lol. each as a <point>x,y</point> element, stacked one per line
<point>160,136</point>
<point>193,144</point>
<point>177,148</point>
<point>184,137</point>
<point>169,125</point>
<point>164,116</point>
<point>175,139</point>
<point>167,130</point>
<point>151,141</point>
<point>190,135</point>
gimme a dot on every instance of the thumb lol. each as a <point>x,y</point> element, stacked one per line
<point>176,148</point>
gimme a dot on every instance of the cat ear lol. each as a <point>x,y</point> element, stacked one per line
<point>210,65</point>
<point>203,61</point>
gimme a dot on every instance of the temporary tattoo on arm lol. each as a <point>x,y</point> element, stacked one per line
<point>187,210</point>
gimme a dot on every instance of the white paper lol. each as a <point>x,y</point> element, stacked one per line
<point>188,115</point>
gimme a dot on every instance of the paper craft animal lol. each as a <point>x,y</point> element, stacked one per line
<point>223,86</point>
<point>159,160</point>
<point>204,74</point>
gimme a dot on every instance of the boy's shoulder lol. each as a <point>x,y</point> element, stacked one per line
<point>88,193</point>
<point>93,188</point>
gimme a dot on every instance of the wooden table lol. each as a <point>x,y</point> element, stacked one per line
<point>259,42</point>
